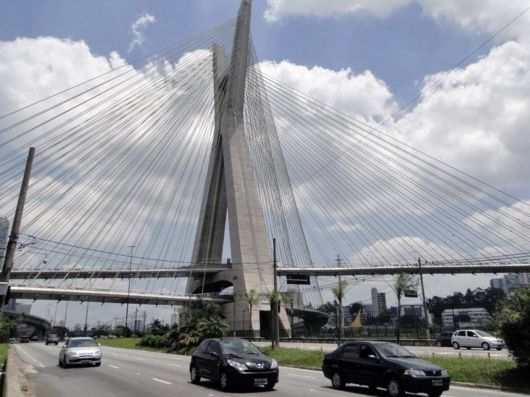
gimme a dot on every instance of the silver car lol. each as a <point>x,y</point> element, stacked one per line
<point>77,351</point>
<point>469,338</point>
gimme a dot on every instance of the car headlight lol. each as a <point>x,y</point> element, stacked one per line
<point>97,353</point>
<point>71,353</point>
<point>274,364</point>
<point>237,365</point>
<point>414,372</point>
<point>444,372</point>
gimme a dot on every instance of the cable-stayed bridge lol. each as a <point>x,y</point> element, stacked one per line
<point>160,169</point>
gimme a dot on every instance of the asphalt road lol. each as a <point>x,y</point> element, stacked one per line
<point>131,373</point>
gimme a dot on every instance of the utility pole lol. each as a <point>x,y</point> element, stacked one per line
<point>340,293</point>
<point>65,316</point>
<point>128,293</point>
<point>425,314</point>
<point>135,328</point>
<point>275,303</point>
<point>13,238</point>
<point>86,318</point>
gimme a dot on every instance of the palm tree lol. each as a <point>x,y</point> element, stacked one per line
<point>403,282</point>
<point>275,299</point>
<point>339,292</point>
<point>252,298</point>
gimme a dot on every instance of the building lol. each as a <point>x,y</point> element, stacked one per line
<point>465,318</point>
<point>511,282</point>
<point>413,310</point>
<point>378,303</point>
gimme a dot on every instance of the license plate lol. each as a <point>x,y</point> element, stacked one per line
<point>437,382</point>
<point>260,381</point>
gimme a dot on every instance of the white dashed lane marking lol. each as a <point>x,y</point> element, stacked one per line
<point>174,365</point>
<point>302,376</point>
<point>161,381</point>
<point>113,366</point>
<point>30,357</point>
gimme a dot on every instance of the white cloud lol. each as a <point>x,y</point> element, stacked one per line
<point>476,118</point>
<point>360,94</point>
<point>138,28</point>
<point>484,15</point>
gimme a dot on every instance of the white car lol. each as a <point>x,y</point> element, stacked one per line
<point>78,351</point>
<point>469,338</point>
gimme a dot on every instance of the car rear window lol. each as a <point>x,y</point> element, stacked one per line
<point>82,343</point>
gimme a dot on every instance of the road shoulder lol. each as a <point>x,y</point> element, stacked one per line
<point>17,384</point>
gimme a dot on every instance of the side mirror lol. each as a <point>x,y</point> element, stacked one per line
<point>215,354</point>
<point>372,357</point>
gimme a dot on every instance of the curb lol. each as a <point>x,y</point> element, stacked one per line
<point>492,387</point>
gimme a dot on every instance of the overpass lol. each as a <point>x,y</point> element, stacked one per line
<point>283,271</point>
<point>40,324</point>
<point>20,292</point>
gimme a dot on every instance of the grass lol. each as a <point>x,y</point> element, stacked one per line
<point>3,353</point>
<point>470,370</point>
<point>295,357</point>
<point>128,343</point>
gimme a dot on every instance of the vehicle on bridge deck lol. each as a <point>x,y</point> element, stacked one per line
<point>79,351</point>
<point>386,365</point>
<point>469,338</point>
<point>444,338</point>
<point>231,362</point>
<point>24,339</point>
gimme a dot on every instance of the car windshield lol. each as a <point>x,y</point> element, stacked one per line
<point>393,350</point>
<point>482,333</point>
<point>82,343</point>
<point>238,346</point>
<point>52,336</point>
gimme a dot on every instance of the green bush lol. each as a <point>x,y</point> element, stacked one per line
<point>158,341</point>
<point>8,328</point>
<point>513,322</point>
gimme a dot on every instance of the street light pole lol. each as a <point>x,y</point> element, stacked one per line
<point>86,318</point>
<point>425,313</point>
<point>128,293</point>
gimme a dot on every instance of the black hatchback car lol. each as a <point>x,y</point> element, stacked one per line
<point>387,365</point>
<point>233,361</point>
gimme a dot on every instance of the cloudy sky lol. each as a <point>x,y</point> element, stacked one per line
<point>451,78</point>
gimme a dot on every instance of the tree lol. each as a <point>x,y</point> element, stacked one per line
<point>8,327</point>
<point>203,321</point>
<point>513,321</point>
<point>339,292</point>
<point>403,281</point>
<point>275,299</point>
<point>252,298</point>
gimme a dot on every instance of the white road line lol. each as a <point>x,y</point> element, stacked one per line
<point>302,376</point>
<point>162,381</point>
<point>174,365</point>
<point>31,358</point>
<point>113,366</point>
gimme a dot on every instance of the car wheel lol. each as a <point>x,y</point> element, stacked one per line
<point>499,348</point>
<point>60,363</point>
<point>336,381</point>
<point>46,343</point>
<point>56,343</point>
<point>98,364</point>
<point>485,346</point>
<point>223,381</point>
<point>456,345</point>
<point>195,377</point>
<point>65,365</point>
<point>468,348</point>
<point>394,388</point>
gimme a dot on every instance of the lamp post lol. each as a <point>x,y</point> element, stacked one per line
<point>86,318</point>
<point>128,292</point>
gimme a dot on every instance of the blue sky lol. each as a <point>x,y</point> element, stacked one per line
<point>400,49</point>
<point>481,111</point>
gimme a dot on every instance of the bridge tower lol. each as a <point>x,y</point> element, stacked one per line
<point>231,189</point>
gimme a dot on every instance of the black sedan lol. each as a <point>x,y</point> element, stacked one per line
<point>387,365</point>
<point>444,339</point>
<point>233,361</point>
